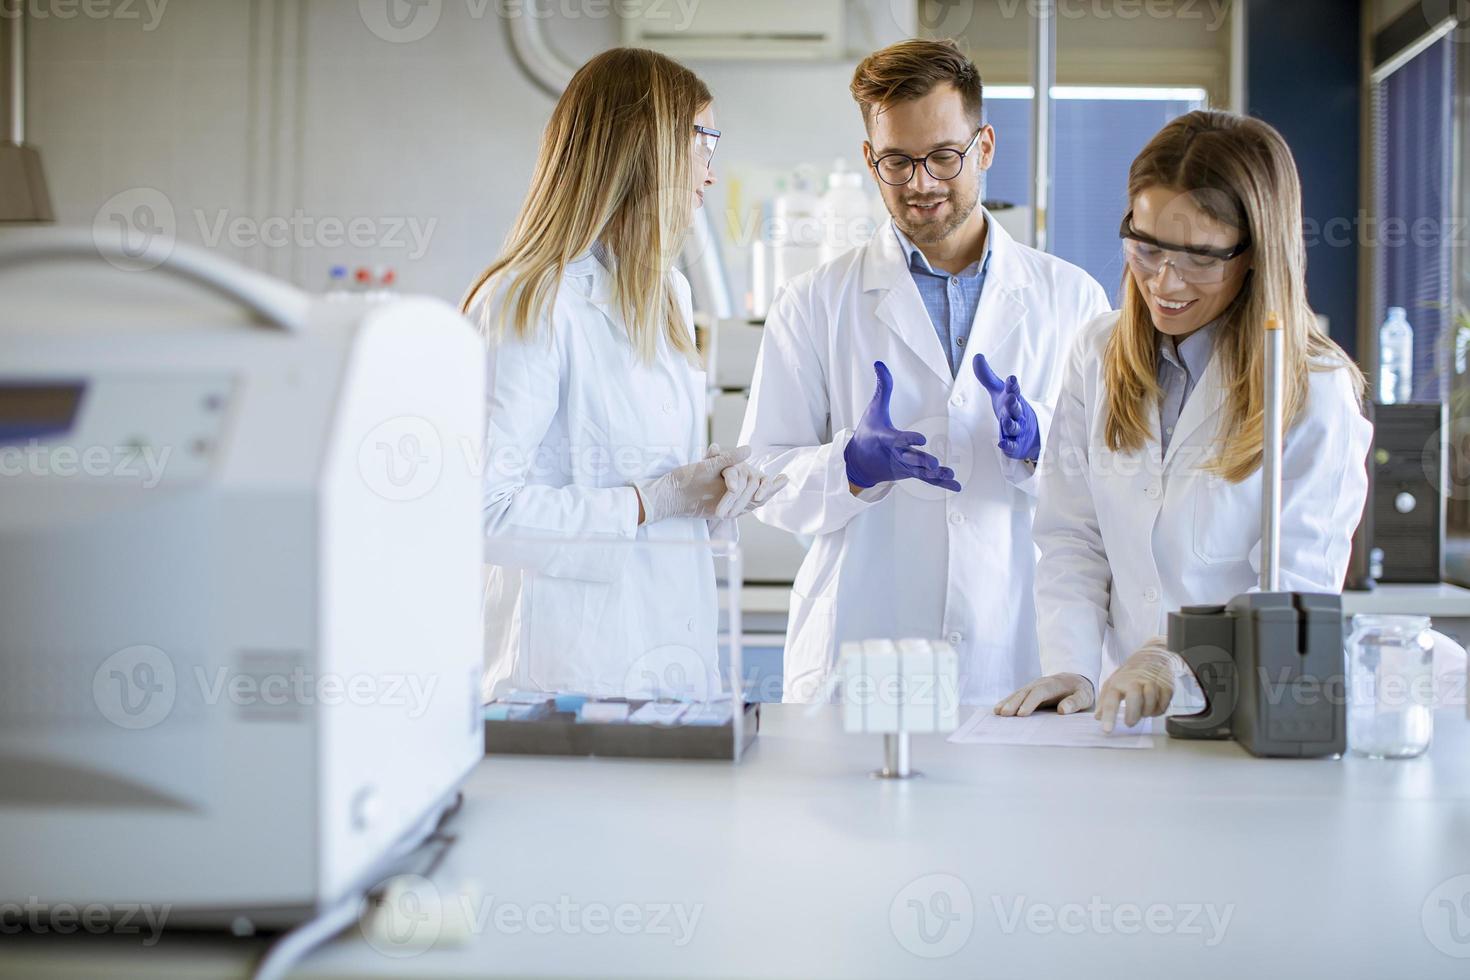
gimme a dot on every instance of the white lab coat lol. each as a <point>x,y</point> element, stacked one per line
<point>1127,538</point>
<point>908,559</point>
<point>574,418</point>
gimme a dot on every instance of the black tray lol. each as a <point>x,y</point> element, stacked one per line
<point>562,734</point>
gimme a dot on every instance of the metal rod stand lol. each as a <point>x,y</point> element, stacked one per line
<point>895,759</point>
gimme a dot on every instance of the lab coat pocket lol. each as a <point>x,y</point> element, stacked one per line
<point>1227,518</point>
<point>560,651</point>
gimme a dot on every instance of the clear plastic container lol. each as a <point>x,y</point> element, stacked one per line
<point>1390,686</point>
<point>1396,358</point>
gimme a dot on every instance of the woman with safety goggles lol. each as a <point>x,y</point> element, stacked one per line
<point>1150,487</point>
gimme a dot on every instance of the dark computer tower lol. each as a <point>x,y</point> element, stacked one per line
<point>1406,471</point>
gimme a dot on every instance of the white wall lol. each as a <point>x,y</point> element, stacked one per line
<point>245,110</point>
<point>236,117</point>
<point>229,113</point>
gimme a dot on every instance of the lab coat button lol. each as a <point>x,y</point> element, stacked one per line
<point>689,625</point>
<point>957,518</point>
<point>958,401</point>
<point>668,408</point>
<point>955,639</point>
<point>1153,493</point>
<point>1150,595</point>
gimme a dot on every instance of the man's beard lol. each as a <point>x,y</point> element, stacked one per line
<point>929,232</point>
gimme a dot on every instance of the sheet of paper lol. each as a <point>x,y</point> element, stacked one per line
<point>1078,731</point>
<point>597,712</point>
<point>657,713</point>
<point>526,697</point>
<point>709,713</point>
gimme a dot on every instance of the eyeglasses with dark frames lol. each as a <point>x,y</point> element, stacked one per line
<point>897,169</point>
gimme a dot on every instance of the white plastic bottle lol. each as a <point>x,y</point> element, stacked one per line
<point>846,212</point>
<point>1395,358</point>
<point>796,230</point>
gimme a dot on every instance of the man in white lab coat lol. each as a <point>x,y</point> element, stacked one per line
<point>930,542</point>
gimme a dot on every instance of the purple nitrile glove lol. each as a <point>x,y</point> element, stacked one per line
<point>1020,432</point>
<point>879,453</point>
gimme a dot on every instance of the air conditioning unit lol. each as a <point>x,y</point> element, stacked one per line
<point>809,30</point>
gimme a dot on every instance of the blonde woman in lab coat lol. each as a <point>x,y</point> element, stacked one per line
<point>1150,489</point>
<point>596,401</point>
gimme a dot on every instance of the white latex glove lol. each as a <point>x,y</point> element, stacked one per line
<point>1143,686</point>
<point>695,490</point>
<point>1069,692</point>
<point>746,488</point>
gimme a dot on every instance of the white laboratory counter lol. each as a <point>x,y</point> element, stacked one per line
<point>1190,859</point>
<point>1441,601</point>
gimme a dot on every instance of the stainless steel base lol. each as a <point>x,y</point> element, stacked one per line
<point>895,759</point>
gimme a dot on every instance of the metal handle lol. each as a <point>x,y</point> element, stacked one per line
<point>1271,458</point>
<point>277,303</point>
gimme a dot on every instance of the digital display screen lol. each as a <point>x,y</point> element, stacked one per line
<point>30,410</point>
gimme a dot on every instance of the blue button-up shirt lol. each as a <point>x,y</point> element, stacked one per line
<point>1179,371</point>
<point>951,300</point>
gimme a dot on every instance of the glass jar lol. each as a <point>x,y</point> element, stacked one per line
<point>1390,686</point>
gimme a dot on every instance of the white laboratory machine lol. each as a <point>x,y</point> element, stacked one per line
<point>898,688</point>
<point>240,561</point>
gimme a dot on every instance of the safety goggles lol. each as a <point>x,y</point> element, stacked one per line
<point>705,141</point>
<point>1194,264</point>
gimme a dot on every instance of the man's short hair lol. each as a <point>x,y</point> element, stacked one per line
<point>911,70</point>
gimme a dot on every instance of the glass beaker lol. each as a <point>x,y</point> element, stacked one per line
<point>1390,686</point>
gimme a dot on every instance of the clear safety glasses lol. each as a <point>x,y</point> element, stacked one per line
<point>1193,264</point>
<point>899,168</point>
<point>705,141</point>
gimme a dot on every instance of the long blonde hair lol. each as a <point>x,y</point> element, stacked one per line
<point>614,167</point>
<point>1240,172</point>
